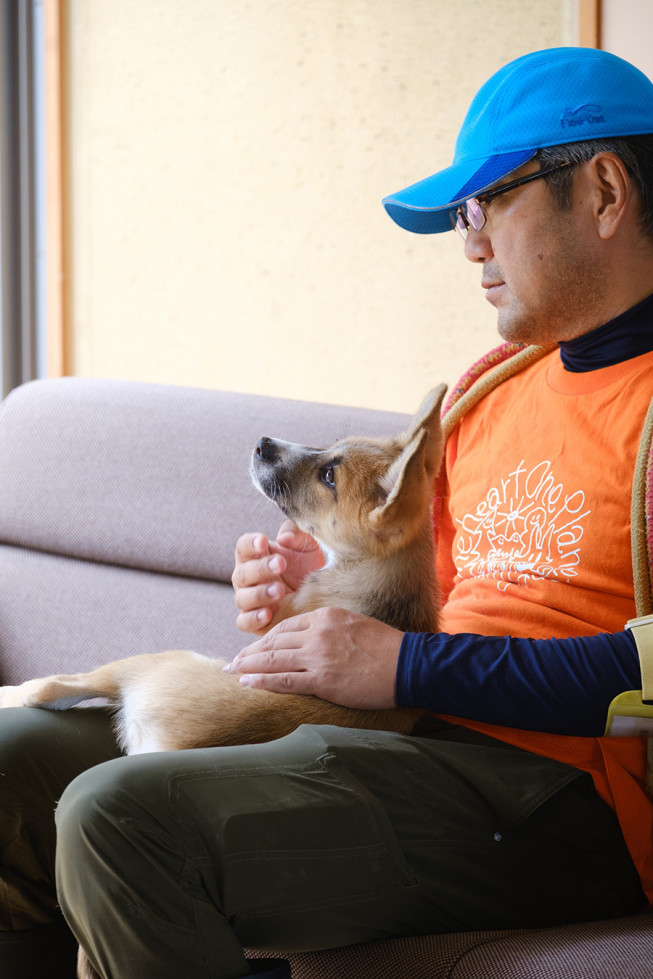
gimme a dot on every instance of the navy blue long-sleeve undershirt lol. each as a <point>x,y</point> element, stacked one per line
<point>562,686</point>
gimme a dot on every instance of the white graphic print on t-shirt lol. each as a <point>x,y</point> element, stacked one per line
<point>527,527</point>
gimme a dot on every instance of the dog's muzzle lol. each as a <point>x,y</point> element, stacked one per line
<point>267,471</point>
<point>276,468</point>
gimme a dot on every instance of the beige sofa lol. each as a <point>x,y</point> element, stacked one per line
<point>120,505</point>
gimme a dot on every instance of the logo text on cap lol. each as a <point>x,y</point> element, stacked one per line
<point>587,113</point>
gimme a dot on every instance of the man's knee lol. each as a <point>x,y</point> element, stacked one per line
<point>105,799</point>
<point>104,819</point>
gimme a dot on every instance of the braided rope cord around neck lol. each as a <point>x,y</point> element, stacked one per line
<point>500,364</point>
<point>641,519</point>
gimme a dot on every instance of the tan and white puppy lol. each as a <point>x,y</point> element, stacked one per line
<point>368,503</point>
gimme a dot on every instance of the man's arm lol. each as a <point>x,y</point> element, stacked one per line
<point>562,686</point>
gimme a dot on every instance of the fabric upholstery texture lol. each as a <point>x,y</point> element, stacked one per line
<point>63,614</point>
<point>148,476</point>
<point>621,949</point>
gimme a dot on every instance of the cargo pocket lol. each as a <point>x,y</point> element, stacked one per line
<point>309,837</point>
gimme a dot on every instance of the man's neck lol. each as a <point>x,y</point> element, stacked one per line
<point>626,336</point>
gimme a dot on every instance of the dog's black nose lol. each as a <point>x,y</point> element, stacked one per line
<point>267,450</point>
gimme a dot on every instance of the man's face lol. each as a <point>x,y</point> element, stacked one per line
<point>540,264</point>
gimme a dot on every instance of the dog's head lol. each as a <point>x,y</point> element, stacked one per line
<point>361,496</point>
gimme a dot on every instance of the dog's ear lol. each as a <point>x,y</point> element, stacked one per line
<point>409,485</point>
<point>427,419</point>
<point>409,480</point>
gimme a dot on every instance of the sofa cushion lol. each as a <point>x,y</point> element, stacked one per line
<point>617,949</point>
<point>144,475</point>
<point>64,615</point>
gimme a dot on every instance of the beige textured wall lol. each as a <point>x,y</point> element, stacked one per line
<point>226,163</point>
<point>627,29</point>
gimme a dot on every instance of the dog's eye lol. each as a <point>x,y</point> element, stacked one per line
<point>329,476</point>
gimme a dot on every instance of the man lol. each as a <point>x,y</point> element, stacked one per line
<point>168,865</point>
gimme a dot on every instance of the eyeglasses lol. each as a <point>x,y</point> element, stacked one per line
<point>470,213</point>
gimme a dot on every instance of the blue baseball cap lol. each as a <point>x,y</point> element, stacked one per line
<point>546,98</point>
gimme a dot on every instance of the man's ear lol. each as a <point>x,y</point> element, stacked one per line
<point>613,191</point>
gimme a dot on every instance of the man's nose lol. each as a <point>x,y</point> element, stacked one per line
<point>478,247</point>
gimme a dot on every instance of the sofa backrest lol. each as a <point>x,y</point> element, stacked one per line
<point>120,507</point>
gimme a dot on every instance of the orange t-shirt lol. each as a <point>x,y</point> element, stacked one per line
<point>534,541</point>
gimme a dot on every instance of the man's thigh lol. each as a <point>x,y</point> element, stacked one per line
<point>331,836</point>
<point>363,836</point>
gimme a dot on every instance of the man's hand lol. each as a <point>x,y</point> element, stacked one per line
<point>267,570</point>
<point>340,656</point>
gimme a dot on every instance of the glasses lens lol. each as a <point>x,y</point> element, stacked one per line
<point>470,214</point>
<point>459,222</point>
<point>475,214</point>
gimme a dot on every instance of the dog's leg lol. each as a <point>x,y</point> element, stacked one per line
<point>53,692</point>
<point>65,690</point>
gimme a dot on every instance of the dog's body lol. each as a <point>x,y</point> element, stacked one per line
<point>368,504</point>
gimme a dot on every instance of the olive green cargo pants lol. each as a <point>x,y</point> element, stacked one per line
<point>169,864</point>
